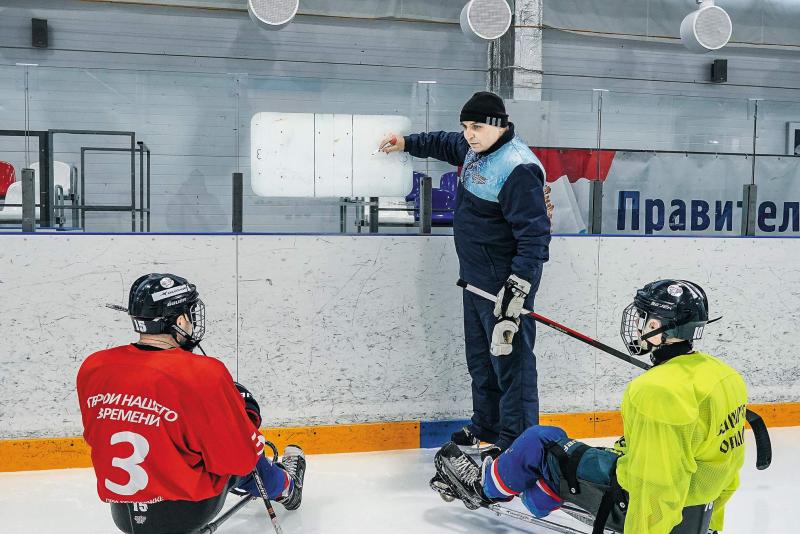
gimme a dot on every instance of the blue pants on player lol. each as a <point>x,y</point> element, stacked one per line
<point>523,471</point>
<point>505,399</point>
<point>276,481</point>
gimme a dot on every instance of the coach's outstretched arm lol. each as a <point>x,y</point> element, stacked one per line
<point>451,147</point>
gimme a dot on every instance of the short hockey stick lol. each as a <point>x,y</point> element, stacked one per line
<point>267,503</point>
<point>214,525</point>
<point>763,443</point>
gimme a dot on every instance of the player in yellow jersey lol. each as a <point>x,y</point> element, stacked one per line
<point>678,462</point>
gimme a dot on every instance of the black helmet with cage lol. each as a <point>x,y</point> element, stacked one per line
<point>679,305</point>
<point>156,301</point>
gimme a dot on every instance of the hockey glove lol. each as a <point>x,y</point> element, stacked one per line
<point>502,336</point>
<point>511,298</point>
<point>250,405</point>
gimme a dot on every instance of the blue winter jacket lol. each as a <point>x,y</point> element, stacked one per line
<point>500,223</point>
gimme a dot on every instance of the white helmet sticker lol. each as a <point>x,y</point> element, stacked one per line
<point>675,290</point>
<point>167,293</point>
<point>167,282</point>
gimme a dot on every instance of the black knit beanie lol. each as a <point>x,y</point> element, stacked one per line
<point>485,107</point>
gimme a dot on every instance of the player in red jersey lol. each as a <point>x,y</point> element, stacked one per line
<point>170,431</point>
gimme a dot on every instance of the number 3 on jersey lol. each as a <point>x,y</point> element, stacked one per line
<point>138,476</point>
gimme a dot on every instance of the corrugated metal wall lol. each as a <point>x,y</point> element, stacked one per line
<point>187,82</point>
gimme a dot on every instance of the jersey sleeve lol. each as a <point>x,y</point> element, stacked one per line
<point>444,146</point>
<point>227,440</point>
<point>522,202</point>
<point>655,470</point>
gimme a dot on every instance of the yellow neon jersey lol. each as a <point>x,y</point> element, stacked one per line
<point>684,441</point>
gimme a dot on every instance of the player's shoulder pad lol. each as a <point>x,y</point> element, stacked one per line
<point>664,396</point>
<point>198,370</point>
<point>99,357</point>
<point>210,364</point>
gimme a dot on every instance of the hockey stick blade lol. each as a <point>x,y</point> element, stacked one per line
<point>763,443</point>
<point>116,307</point>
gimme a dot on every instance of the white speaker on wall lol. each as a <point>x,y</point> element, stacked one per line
<point>485,20</point>
<point>708,28</point>
<point>272,14</point>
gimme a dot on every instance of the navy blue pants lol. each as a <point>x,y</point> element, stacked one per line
<point>505,399</point>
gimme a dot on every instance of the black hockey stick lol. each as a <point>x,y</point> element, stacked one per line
<point>561,328</point>
<point>214,525</point>
<point>267,503</point>
<point>763,443</point>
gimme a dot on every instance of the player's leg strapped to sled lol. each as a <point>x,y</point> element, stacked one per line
<point>670,477</point>
<point>168,517</point>
<point>279,480</point>
<point>548,471</point>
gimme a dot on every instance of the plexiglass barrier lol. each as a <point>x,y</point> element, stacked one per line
<point>143,151</point>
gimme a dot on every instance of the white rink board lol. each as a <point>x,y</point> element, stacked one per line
<point>326,155</point>
<point>336,329</point>
<point>54,291</point>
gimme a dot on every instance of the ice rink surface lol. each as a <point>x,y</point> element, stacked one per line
<point>381,493</point>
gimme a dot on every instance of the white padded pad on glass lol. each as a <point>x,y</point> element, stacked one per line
<point>326,155</point>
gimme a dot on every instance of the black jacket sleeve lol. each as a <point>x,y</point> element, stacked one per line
<point>444,146</point>
<point>522,202</point>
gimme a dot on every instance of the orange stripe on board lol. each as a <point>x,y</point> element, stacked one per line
<point>347,438</point>
<point>585,425</point>
<point>778,414</point>
<point>43,453</point>
<point>61,453</point>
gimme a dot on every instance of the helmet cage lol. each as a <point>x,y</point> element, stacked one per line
<point>197,316</point>
<point>679,305</point>
<point>633,322</point>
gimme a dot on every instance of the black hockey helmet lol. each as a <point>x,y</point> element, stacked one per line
<point>156,301</point>
<point>681,307</point>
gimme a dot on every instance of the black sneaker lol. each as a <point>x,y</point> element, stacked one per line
<point>294,463</point>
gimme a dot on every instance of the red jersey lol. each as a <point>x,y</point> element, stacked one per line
<point>163,425</point>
